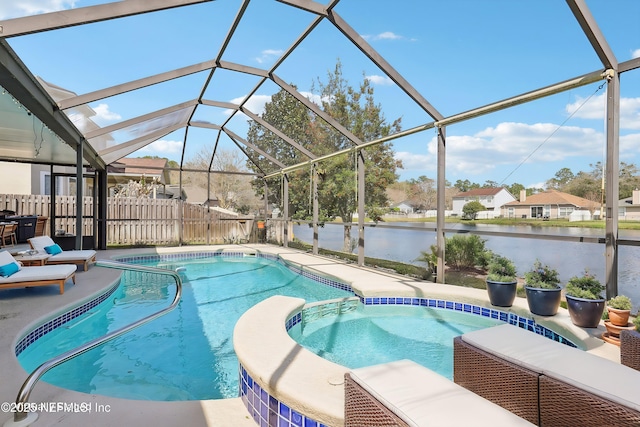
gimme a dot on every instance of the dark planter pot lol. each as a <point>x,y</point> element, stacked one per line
<point>585,313</point>
<point>502,294</point>
<point>543,302</point>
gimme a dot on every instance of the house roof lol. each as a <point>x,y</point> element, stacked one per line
<point>554,197</point>
<point>143,166</point>
<point>480,192</point>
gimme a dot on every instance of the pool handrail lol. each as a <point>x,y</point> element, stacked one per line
<point>32,379</point>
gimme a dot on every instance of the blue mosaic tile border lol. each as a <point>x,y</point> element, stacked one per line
<point>266,410</point>
<point>138,259</point>
<point>230,254</point>
<point>507,317</point>
<point>60,320</point>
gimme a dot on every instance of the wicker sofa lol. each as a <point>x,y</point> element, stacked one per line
<point>406,394</point>
<point>545,382</point>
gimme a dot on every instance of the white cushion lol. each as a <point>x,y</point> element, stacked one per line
<point>73,255</point>
<point>421,397</point>
<point>46,272</point>
<point>7,258</point>
<point>594,374</point>
<point>41,242</point>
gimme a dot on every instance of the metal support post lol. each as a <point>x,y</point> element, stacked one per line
<point>361,212</point>
<point>314,196</point>
<point>440,194</point>
<point>285,209</point>
<point>612,190</point>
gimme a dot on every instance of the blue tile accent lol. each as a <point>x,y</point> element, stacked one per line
<point>61,319</point>
<point>266,410</point>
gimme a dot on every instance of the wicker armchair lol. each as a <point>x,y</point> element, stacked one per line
<point>630,349</point>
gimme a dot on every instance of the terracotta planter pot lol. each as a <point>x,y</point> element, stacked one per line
<point>618,317</point>
<point>502,294</point>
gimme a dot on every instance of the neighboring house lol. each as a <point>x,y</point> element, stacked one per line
<point>405,207</point>
<point>629,208</point>
<point>25,178</point>
<point>133,169</point>
<point>491,198</point>
<point>547,204</point>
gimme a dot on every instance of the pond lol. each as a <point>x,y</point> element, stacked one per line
<point>399,243</point>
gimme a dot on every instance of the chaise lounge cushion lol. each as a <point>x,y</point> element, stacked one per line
<point>594,374</point>
<point>421,397</point>
<point>40,244</point>
<point>6,258</point>
<point>45,273</point>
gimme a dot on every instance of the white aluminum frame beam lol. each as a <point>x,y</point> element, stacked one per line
<point>86,15</point>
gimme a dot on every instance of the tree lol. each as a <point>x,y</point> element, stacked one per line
<point>563,177</point>
<point>471,209</point>
<point>233,191</point>
<point>422,192</point>
<point>466,185</point>
<point>354,109</point>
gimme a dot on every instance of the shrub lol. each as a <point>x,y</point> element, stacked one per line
<point>585,286</point>
<point>460,252</point>
<point>471,209</point>
<point>501,269</point>
<point>636,322</point>
<point>541,276</point>
<point>620,302</point>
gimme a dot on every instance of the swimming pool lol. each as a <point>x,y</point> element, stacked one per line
<point>372,335</point>
<point>184,355</point>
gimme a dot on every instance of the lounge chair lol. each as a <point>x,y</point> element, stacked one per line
<point>13,275</point>
<point>405,394</point>
<point>44,244</point>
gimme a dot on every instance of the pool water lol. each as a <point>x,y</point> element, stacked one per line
<point>378,334</point>
<point>186,354</point>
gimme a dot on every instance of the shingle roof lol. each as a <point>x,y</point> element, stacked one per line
<point>143,166</point>
<point>554,197</point>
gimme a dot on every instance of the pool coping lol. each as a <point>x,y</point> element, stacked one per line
<point>23,309</point>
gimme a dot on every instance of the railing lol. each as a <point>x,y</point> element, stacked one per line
<point>29,384</point>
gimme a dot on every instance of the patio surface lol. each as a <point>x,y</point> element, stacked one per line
<point>22,309</point>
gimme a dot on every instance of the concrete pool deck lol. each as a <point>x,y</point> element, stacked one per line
<point>23,309</point>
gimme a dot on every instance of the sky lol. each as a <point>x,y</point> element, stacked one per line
<point>459,55</point>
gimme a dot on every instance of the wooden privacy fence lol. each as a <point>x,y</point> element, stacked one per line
<point>141,221</point>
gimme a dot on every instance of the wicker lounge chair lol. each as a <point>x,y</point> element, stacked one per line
<point>26,277</point>
<point>80,257</point>
<point>406,394</point>
<point>548,383</point>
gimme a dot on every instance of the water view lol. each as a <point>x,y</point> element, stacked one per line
<point>569,258</point>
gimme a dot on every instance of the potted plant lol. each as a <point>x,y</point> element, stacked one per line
<point>619,309</point>
<point>501,281</point>
<point>584,300</point>
<point>541,285</point>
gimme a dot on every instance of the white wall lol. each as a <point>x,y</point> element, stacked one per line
<point>15,178</point>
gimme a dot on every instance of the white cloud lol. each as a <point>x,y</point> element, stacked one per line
<point>387,35</point>
<point>412,161</point>
<point>635,53</point>
<point>509,144</point>
<point>255,104</point>
<point>594,109</point>
<point>163,146</point>
<point>380,80</point>
<point>104,115</point>
<point>267,55</point>
<point>19,8</point>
